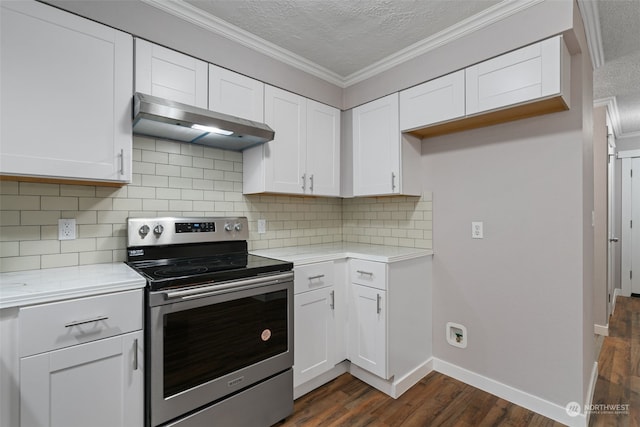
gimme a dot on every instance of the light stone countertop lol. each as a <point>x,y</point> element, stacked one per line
<point>23,288</point>
<point>300,255</point>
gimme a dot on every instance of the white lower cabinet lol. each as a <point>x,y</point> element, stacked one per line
<point>95,384</point>
<point>315,334</point>
<point>81,362</point>
<point>368,329</point>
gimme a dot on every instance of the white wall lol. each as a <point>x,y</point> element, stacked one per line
<point>521,291</point>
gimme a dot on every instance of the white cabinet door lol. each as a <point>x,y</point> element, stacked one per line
<point>285,156</point>
<point>235,94</point>
<point>368,337</point>
<point>66,95</point>
<point>519,76</point>
<point>171,75</point>
<point>376,147</point>
<point>95,384</point>
<point>323,149</point>
<point>435,101</point>
<point>315,334</point>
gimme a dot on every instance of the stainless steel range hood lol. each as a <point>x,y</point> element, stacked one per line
<point>161,118</point>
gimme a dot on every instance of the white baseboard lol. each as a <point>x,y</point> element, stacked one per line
<point>513,395</point>
<point>393,387</point>
<point>616,292</point>
<point>601,330</point>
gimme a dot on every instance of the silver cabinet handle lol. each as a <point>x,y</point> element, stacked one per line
<point>311,183</point>
<point>366,273</point>
<point>135,354</point>
<point>378,299</point>
<point>613,239</point>
<point>319,276</point>
<point>304,182</point>
<point>82,322</point>
<point>393,181</point>
<point>333,300</point>
<point>122,161</point>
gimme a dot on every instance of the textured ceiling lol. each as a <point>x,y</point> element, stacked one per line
<point>347,36</point>
<point>619,76</point>
<point>343,36</point>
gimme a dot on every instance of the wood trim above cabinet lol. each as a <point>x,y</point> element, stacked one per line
<point>57,180</point>
<point>523,111</point>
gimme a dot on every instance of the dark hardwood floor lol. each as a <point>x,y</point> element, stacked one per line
<point>619,368</point>
<point>438,400</point>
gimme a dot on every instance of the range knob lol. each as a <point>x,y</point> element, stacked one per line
<point>157,230</point>
<point>238,226</point>
<point>143,231</point>
<point>228,226</point>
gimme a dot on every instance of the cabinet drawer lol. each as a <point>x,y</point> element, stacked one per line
<point>61,324</point>
<point>313,276</point>
<point>368,273</point>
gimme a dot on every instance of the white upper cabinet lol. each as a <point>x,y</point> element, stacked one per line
<point>171,75</point>
<point>323,150</point>
<point>435,101</point>
<point>304,157</point>
<point>235,94</point>
<point>383,160</point>
<point>533,72</point>
<point>66,96</point>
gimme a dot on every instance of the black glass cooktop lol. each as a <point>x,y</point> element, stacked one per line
<point>213,267</point>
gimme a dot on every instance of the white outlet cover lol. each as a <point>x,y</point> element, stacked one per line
<point>262,226</point>
<point>67,229</point>
<point>477,230</point>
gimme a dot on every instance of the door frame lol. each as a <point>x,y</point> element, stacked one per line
<point>627,158</point>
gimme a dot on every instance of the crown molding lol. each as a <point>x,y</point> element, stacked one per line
<point>465,27</point>
<point>189,13</point>
<point>612,109</point>
<point>591,20</point>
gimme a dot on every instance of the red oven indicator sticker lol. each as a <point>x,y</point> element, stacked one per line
<point>266,334</point>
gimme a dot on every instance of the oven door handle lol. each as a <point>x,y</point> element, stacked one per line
<point>226,287</point>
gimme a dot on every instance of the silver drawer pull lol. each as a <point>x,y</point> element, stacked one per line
<point>378,308</point>
<point>82,322</point>
<point>333,300</point>
<point>135,354</point>
<point>319,276</point>
<point>366,273</point>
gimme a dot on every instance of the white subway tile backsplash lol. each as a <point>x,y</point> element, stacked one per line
<point>173,179</point>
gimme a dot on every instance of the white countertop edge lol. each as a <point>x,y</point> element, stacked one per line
<point>60,295</point>
<point>301,255</point>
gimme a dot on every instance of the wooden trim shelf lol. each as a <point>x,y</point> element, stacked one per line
<point>51,180</point>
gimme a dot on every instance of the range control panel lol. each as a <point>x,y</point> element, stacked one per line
<point>171,231</point>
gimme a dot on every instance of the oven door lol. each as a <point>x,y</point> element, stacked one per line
<point>213,341</point>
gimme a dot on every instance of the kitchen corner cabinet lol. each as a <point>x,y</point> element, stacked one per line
<point>81,362</point>
<point>170,75</point>
<point>234,94</point>
<point>66,97</point>
<point>385,162</point>
<point>304,157</point>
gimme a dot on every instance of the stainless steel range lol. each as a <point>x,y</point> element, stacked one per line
<point>218,326</point>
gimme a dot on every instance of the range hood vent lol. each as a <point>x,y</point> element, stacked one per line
<point>161,118</point>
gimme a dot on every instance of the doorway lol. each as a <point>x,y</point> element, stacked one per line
<point>630,222</point>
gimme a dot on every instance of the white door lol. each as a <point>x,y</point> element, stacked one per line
<point>376,147</point>
<point>171,75</point>
<point>285,156</point>
<point>611,225</point>
<point>235,94</point>
<point>323,149</point>
<point>315,334</point>
<point>368,337</point>
<point>635,226</point>
<point>95,384</point>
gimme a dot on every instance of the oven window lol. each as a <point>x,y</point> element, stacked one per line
<point>207,342</point>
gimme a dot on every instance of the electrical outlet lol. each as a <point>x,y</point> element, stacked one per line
<point>66,229</point>
<point>262,226</point>
<point>477,231</point>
